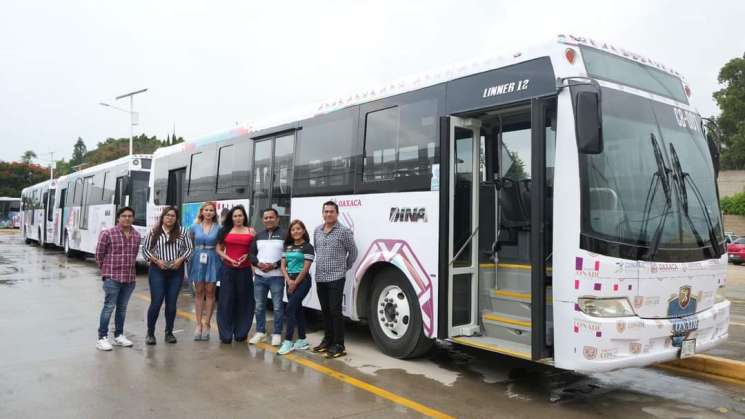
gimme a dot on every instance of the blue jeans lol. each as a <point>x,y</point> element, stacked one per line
<point>275,284</point>
<point>164,285</point>
<point>117,296</point>
<point>295,314</point>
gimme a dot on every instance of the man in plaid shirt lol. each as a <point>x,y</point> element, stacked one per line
<point>116,255</point>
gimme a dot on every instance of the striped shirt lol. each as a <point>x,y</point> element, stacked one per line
<point>165,251</point>
<point>335,252</point>
<point>116,254</point>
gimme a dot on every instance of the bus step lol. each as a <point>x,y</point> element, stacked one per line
<point>487,343</point>
<point>507,327</point>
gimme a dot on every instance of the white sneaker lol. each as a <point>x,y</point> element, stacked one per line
<point>104,344</point>
<point>276,340</point>
<point>122,340</point>
<point>256,338</point>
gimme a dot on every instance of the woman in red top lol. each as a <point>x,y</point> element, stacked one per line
<point>235,307</point>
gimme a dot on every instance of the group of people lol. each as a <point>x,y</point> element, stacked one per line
<point>248,266</point>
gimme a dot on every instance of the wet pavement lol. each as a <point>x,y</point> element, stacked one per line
<point>49,307</point>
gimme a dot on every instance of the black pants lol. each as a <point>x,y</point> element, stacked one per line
<point>330,295</point>
<point>235,308</point>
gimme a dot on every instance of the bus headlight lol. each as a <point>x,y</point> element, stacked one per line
<point>606,307</point>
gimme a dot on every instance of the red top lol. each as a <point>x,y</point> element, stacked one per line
<point>237,245</point>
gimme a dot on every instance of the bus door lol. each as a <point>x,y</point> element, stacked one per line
<point>62,216</point>
<point>463,266</point>
<point>272,178</point>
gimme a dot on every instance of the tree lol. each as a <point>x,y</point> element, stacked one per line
<point>78,153</point>
<point>731,101</point>
<point>18,175</point>
<point>27,156</point>
<point>114,148</point>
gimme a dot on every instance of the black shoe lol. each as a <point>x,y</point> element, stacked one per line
<point>170,338</point>
<point>241,339</point>
<point>226,341</point>
<point>322,347</point>
<point>335,351</point>
<point>150,340</point>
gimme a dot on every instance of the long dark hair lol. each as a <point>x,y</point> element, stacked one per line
<point>227,223</point>
<point>158,230</point>
<point>288,238</point>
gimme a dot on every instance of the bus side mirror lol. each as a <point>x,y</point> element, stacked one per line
<point>588,122</point>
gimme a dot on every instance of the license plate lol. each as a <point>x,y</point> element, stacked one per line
<point>688,348</point>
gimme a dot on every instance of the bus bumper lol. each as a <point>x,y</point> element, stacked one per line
<point>636,342</point>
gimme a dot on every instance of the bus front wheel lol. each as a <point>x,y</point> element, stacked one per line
<point>395,318</point>
<point>69,252</point>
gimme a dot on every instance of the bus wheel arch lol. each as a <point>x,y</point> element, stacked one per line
<point>397,330</point>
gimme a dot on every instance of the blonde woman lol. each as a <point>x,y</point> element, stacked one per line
<point>203,267</point>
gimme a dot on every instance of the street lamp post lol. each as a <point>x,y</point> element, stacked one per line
<point>131,112</point>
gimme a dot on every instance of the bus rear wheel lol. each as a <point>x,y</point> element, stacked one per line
<point>395,318</point>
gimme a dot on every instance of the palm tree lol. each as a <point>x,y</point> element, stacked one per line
<point>27,156</point>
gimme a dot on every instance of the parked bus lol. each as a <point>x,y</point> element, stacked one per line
<point>87,201</point>
<point>559,205</point>
<point>37,202</point>
<point>10,212</point>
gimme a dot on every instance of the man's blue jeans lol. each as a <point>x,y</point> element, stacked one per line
<point>116,297</point>
<point>262,285</point>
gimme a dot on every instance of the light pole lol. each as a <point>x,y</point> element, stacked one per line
<point>132,114</point>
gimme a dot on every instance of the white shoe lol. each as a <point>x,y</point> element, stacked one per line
<point>122,340</point>
<point>276,340</point>
<point>256,338</point>
<point>104,344</point>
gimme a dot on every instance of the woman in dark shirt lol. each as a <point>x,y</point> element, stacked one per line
<point>235,307</point>
<point>166,247</point>
<point>297,257</point>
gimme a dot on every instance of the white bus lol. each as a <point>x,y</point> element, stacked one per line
<point>10,212</point>
<point>559,205</point>
<point>87,201</point>
<point>37,202</point>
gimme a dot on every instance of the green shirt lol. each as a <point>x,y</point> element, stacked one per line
<point>295,256</point>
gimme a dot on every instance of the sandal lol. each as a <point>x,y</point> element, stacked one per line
<point>206,333</point>
<point>198,334</point>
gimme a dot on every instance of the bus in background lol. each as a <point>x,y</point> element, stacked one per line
<point>10,212</point>
<point>87,201</point>
<point>213,168</point>
<point>448,181</point>
<point>37,202</point>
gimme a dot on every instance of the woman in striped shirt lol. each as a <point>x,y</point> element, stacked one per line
<point>166,247</point>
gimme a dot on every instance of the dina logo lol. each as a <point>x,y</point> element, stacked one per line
<point>408,215</point>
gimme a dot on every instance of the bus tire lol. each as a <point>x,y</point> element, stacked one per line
<point>69,252</point>
<point>395,318</point>
<point>25,236</point>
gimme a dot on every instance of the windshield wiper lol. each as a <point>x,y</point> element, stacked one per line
<point>661,176</point>
<point>681,178</point>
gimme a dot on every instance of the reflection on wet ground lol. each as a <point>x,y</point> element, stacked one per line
<point>51,308</point>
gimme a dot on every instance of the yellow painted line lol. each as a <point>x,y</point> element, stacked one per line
<point>380,392</point>
<point>694,373</point>
<point>507,320</point>
<point>737,324</point>
<point>491,348</point>
<point>509,266</point>
<point>518,295</point>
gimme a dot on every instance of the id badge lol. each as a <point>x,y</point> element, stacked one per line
<point>203,258</point>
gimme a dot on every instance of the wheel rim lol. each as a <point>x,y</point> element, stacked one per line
<point>393,316</point>
<point>67,245</point>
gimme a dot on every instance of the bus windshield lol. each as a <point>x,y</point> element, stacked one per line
<point>138,196</point>
<point>653,185</point>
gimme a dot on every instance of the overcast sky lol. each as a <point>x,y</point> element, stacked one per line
<point>210,64</point>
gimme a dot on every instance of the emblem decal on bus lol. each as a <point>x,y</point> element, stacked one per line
<point>408,215</point>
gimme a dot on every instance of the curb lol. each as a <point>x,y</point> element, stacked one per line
<point>710,365</point>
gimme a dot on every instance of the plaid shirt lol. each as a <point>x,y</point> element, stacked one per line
<point>335,252</point>
<point>116,254</point>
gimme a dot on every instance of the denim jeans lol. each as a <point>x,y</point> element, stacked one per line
<point>116,297</point>
<point>295,314</point>
<point>164,285</point>
<point>275,284</point>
